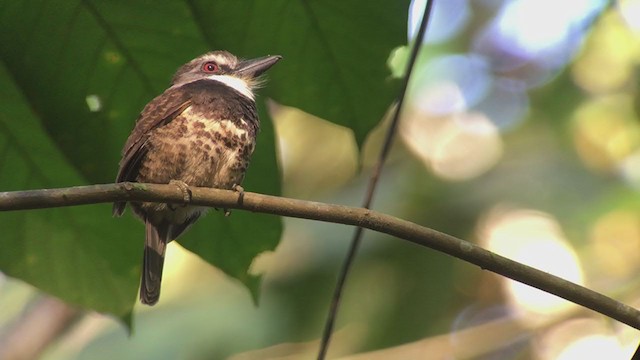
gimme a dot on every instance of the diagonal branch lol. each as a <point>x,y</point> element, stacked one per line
<point>372,186</point>
<point>94,194</point>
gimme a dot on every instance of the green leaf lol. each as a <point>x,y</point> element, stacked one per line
<point>334,52</point>
<point>79,254</point>
<point>75,75</point>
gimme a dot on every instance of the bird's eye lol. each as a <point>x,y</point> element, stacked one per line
<point>210,67</point>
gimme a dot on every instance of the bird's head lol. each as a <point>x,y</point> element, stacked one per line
<point>222,66</point>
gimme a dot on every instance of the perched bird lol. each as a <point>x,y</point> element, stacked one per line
<point>200,132</point>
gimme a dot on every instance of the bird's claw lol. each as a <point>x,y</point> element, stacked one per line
<point>184,188</point>
<point>237,188</point>
<point>240,190</point>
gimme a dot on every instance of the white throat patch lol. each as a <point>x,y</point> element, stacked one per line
<point>235,83</point>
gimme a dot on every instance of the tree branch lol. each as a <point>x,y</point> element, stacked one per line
<point>82,195</point>
<point>372,186</point>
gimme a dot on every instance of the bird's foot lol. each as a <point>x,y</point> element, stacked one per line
<point>184,188</point>
<point>240,190</point>
<point>237,188</point>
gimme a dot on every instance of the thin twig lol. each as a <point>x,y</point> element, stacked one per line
<point>82,195</point>
<point>371,188</point>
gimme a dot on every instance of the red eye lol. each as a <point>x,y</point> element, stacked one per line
<point>210,67</point>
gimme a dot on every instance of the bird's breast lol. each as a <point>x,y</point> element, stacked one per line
<point>200,150</point>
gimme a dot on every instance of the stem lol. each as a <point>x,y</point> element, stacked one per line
<point>422,236</point>
<point>371,188</point>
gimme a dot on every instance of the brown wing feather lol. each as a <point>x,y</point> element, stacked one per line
<point>159,112</point>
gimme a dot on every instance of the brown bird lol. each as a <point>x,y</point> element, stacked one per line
<point>201,131</point>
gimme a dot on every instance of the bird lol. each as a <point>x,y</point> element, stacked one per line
<point>201,131</point>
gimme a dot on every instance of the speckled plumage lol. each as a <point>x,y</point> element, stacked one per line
<point>200,131</point>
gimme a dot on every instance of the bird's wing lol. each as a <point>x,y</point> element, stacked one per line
<point>159,112</point>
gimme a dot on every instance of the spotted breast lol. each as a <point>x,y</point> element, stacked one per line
<point>208,144</point>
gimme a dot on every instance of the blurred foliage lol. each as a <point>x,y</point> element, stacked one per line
<point>524,140</point>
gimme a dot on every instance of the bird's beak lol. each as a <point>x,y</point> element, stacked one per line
<point>255,67</point>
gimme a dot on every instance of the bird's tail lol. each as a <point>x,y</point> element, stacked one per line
<point>155,244</point>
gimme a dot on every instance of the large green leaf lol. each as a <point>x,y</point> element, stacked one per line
<point>335,51</point>
<point>80,254</point>
<point>59,55</point>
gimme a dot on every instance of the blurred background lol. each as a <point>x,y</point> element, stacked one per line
<point>521,134</point>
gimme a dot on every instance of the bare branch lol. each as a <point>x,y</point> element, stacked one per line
<point>334,305</point>
<point>49,198</point>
